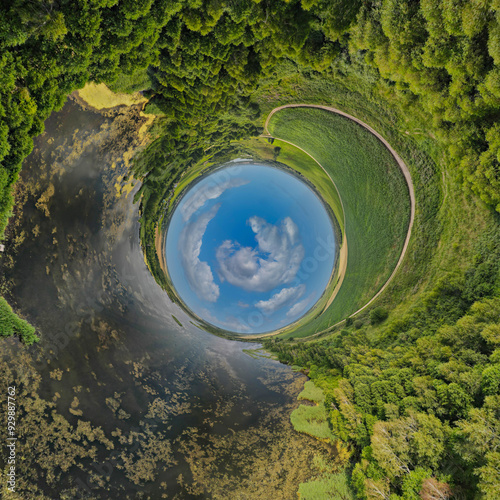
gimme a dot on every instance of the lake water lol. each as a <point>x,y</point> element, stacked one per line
<point>117,400</point>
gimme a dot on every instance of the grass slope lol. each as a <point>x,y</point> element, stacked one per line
<point>374,194</point>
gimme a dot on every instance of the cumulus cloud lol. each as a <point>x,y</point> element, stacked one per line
<point>208,192</point>
<point>278,300</point>
<point>274,262</point>
<point>198,273</point>
<point>299,307</point>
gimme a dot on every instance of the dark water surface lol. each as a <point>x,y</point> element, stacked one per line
<point>182,413</point>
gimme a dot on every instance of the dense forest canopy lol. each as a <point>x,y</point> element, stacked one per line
<point>415,394</point>
<point>206,57</point>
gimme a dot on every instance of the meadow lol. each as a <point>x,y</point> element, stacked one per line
<point>373,192</point>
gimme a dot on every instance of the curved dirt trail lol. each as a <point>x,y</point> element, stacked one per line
<point>404,170</point>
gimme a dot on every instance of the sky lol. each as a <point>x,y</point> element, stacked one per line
<point>250,248</point>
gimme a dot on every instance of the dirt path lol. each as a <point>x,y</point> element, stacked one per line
<point>409,182</point>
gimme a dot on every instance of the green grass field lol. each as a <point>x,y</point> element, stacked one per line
<point>311,420</point>
<point>374,195</point>
<point>312,393</point>
<point>330,486</point>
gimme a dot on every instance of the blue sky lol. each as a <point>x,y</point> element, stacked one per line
<point>250,248</point>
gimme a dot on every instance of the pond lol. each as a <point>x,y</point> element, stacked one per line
<point>119,400</point>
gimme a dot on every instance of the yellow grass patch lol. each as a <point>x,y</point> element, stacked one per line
<point>100,97</point>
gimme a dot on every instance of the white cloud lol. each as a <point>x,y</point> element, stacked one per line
<point>199,274</point>
<point>299,307</point>
<point>274,262</point>
<point>284,296</point>
<point>208,192</point>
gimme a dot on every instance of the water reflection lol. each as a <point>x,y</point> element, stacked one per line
<point>118,400</point>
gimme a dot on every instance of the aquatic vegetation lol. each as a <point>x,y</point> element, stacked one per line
<point>408,387</point>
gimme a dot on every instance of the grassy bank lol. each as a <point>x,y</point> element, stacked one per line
<point>331,479</point>
<point>374,194</point>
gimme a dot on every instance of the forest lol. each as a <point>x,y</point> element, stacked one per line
<point>413,386</point>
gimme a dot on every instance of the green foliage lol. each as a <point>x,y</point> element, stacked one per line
<point>378,315</point>
<point>490,381</point>
<point>138,80</point>
<point>333,485</point>
<point>413,441</point>
<point>153,109</point>
<point>417,406</point>
<point>10,324</point>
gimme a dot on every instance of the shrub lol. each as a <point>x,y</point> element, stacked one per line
<point>378,315</point>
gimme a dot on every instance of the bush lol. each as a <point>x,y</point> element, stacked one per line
<point>358,324</point>
<point>378,315</point>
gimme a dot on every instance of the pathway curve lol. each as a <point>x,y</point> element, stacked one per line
<point>404,170</point>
